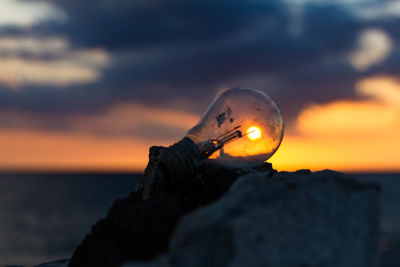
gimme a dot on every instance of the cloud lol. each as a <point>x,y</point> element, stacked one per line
<point>126,119</point>
<point>137,121</point>
<point>191,51</point>
<point>344,135</point>
<point>16,72</point>
<point>264,48</point>
<point>376,10</point>
<point>377,116</point>
<point>373,47</point>
<point>48,61</point>
<point>383,88</point>
<point>348,135</point>
<point>109,73</point>
<point>32,46</point>
<point>24,14</point>
<point>125,24</point>
<point>348,119</point>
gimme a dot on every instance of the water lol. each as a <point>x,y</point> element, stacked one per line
<point>43,217</point>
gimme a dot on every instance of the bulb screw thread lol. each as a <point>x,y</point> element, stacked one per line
<point>171,165</point>
<point>183,160</point>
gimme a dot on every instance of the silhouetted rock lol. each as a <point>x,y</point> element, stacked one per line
<point>58,263</point>
<point>289,219</point>
<point>138,229</point>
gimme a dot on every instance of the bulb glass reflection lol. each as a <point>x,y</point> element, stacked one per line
<point>241,125</point>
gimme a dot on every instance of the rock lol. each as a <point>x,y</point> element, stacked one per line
<point>58,263</point>
<point>140,229</point>
<point>158,262</point>
<point>289,219</point>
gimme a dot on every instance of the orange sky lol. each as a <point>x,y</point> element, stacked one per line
<point>39,68</point>
<point>342,135</point>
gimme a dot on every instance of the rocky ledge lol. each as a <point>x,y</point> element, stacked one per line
<point>253,218</point>
<point>288,219</point>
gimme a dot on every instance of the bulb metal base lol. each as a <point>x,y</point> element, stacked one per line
<point>183,160</point>
<point>172,165</point>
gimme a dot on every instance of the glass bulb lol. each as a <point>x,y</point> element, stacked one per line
<point>242,125</point>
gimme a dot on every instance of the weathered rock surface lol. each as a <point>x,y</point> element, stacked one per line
<point>138,229</point>
<point>289,219</point>
<point>58,263</point>
<point>264,219</point>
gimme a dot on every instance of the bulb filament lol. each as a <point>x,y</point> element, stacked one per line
<point>209,147</point>
<point>230,137</point>
<point>212,145</point>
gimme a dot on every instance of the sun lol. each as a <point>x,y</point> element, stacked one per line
<point>254,133</point>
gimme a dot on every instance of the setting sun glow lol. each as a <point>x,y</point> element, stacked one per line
<point>254,133</point>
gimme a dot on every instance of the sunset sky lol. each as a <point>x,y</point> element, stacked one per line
<point>90,85</point>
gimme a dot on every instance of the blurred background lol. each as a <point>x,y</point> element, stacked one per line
<point>88,86</point>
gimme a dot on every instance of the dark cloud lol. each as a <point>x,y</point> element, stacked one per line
<point>177,54</point>
<point>134,24</point>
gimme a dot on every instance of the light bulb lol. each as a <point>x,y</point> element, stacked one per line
<point>242,125</point>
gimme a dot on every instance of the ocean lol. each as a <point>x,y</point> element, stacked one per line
<point>43,217</point>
